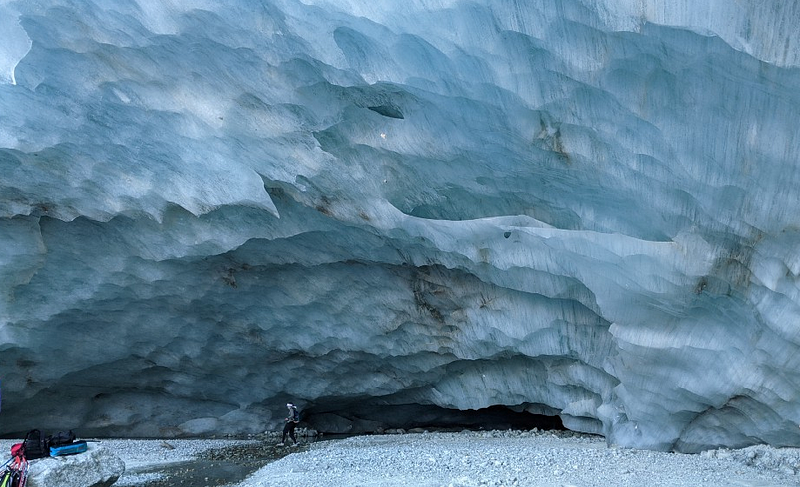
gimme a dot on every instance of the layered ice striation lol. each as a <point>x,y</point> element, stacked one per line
<point>387,211</point>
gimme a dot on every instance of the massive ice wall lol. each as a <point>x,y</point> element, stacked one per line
<point>587,209</point>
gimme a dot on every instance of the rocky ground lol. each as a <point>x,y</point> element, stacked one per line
<point>513,458</point>
<point>465,459</point>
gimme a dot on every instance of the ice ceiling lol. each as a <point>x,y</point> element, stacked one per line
<point>586,209</point>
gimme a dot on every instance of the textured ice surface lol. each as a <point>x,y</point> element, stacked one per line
<point>580,208</point>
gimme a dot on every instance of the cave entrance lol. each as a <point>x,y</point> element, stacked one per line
<point>361,418</point>
<point>501,418</point>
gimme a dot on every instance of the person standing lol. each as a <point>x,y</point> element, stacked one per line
<point>291,424</point>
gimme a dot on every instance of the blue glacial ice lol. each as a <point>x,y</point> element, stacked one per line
<point>587,209</point>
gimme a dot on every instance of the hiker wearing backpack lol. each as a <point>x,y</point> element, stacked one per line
<point>291,424</point>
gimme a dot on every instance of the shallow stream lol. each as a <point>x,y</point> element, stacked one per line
<point>216,467</point>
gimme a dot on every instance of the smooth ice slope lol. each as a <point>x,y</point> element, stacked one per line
<point>583,208</point>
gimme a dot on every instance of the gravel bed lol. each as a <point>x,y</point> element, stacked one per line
<point>508,458</point>
<point>466,459</point>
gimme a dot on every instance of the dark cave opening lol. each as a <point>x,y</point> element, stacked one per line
<point>360,418</point>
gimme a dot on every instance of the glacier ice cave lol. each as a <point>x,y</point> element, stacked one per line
<point>398,213</point>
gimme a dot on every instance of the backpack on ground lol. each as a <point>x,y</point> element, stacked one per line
<point>69,449</point>
<point>35,445</point>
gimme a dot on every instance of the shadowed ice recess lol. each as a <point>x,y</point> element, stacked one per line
<point>389,212</point>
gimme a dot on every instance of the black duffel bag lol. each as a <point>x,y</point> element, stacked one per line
<point>60,439</point>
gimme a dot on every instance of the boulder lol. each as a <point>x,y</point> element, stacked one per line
<point>96,467</point>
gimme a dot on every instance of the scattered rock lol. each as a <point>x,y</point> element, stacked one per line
<point>307,433</point>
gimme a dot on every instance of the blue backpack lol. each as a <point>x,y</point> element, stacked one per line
<point>71,449</point>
